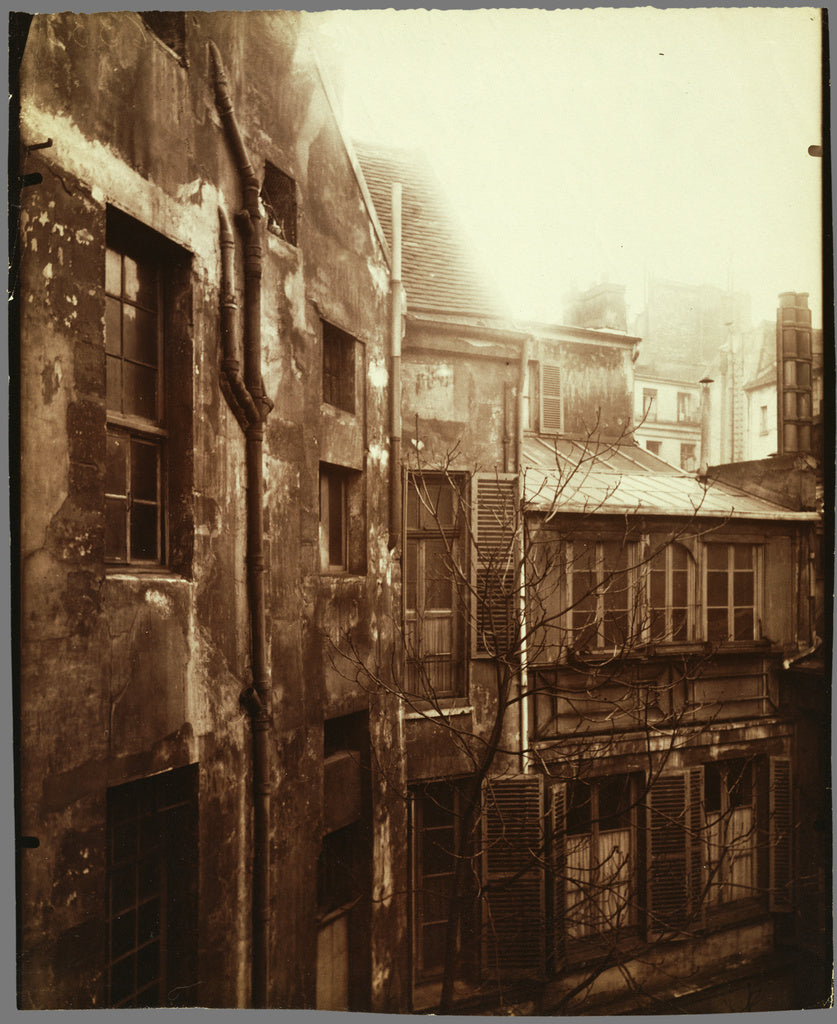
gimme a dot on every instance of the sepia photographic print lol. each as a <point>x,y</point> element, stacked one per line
<point>421,448</point>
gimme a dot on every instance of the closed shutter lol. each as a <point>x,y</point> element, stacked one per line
<point>552,406</point>
<point>695,840</point>
<point>559,872</point>
<point>514,922</point>
<point>495,521</point>
<point>781,835</point>
<point>668,863</point>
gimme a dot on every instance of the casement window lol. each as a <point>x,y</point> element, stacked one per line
<point>279,197</point>
<point>684,407</point>
<point>600,594</point>
<point>649,405</point>
<point>437,821</point>
<point>688,458</point>
<point>338,368</point>
<point>670,577</point>
<point>152,891</point>
<point>730,823</point>
<point>434,572</point>
<point>543,398</point>
<point>342,520</point>
<point>731,595</point>
<point>149,428</point>
<point>599,857</point>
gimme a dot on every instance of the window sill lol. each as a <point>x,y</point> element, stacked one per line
<point>151,574</point>
<point>446,710</point>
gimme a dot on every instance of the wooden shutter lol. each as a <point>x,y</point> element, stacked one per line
<point>781,835</point>
<point>495,517</point>
<point>558,863</point>
<point>696,847</point>
<point>514,921</point>
<point>668,854</point>
<point>552,406</point>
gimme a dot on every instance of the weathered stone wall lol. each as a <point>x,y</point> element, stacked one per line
<point>126,674</point>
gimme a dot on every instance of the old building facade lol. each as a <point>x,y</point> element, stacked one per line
<point>366,660</point>
<point>204,317</point>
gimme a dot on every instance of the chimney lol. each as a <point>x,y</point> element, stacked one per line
<point>793,373</point>
<point>705,422</point>
<point>601,307</point>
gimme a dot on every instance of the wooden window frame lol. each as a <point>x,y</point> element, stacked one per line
<point>149,431</point>
<point>667,636</point>
<point>757,572</point>
<point>333,479</point>
<point>719,857</point>
<point>339,368</point>
<point>603,577</point>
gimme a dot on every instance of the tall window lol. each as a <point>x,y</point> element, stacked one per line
<point>134,479</point>
<point>670,603</point>
<point>684,407</point>
<point>338,368</point>
<point>731,591</point>
<point>729,808</point>
<point>279,198</point>
<point>152,870</point>
<point>763,419</point>
<point>437,823</point>
<point>600,593</point>
<point>433,615</point>
<point>649,405</point>
<point>688,459</point>
<point>599,854</point>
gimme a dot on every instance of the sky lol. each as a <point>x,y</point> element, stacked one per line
<point>624,144</point>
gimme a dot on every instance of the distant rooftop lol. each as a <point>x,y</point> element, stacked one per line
<point>440,273</point>
<point>561,476</point>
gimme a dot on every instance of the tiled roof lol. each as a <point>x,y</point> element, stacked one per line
<point>439,272</point>
<point>561,475</point>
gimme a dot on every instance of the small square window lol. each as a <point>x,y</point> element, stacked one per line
<point>653,446</point>
<point>338,368</point>
<point>279,198</point>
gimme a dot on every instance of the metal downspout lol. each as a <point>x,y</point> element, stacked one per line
<point>518,458</point>
<point>253,406</point>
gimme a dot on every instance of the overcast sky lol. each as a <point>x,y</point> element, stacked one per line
<point>621,143</point>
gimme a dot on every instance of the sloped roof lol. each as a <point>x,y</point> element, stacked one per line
<point>439,271</point>
<point>565,476</point>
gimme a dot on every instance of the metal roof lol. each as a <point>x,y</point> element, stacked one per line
<point>561,475</point>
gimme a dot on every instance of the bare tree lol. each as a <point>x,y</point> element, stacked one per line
<point>563,611</point>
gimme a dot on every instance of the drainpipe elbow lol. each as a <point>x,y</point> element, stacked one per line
<point>251,702</point>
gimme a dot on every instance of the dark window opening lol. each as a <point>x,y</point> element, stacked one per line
<point>169,27</point>
<point>338,368</point>
<point>279,198</point>
<point>654,447</point>
<point>152,834</point>
<point>342,520</point>
<point>688,459</point>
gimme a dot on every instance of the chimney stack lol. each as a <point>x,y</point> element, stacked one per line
<point>793,373</point>
<point>705,422</point>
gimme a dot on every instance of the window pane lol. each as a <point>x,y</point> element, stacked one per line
<point>121,980</point>
<point>716,624</point>
<point>335,521</point>
<point>437,851</point>
<point>113,272</point>
<point>139,335</point>
<point>679,624</point>
<point>743,621</point>
<point>114,383</point>
<point>144,471</point>
<point>140,283</point>
<point>743,588</point>
<point>433,946</point>
<point>614,802</point>
<point>578,808</point>
<point>712,787</point>
<point>113,326</point>
<point>438,583</point>
<point>116,521</point>
<point>123,889</point>
<point>116,481</point>
<point>716,589</point>
<point>679,589</point>
<point>716,555</point>
<point>658,589</point>
<point>437,806</point>
<point>140,391</point>
<point>144,532</point>
<point>123,934</point>
<point>743,556</point>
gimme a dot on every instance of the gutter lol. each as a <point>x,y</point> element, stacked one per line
<point>251,406</point>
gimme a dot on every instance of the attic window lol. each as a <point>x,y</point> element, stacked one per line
<point>170,28</point>
<point>279,198</point>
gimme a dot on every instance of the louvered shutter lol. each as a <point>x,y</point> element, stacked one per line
<point>668,864</point>
<point>695,842</point>
<point>781,835</point>
<point>558,863</point>
<point>552,406</point>
<point>494,524</point>
<point>514,921</point>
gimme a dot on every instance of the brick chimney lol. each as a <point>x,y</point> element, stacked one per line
<point>601,307</point>
<point>793,373</point>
